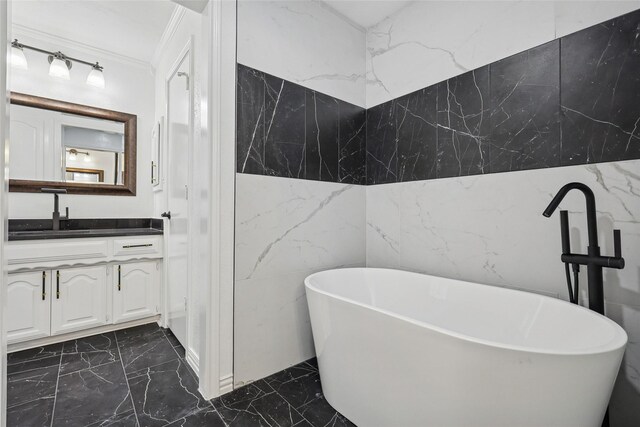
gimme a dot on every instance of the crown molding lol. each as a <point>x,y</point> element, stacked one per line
<point>19,29</point>
<point>169,31</point>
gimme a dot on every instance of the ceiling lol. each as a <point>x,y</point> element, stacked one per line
<point>130,28</point>
<point>366,13</point>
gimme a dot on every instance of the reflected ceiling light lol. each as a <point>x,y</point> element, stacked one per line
<point>60,63</point>
<point>18,60</point>
<point>60,66</point>
<point>73,155</point>
<point>95,77</point>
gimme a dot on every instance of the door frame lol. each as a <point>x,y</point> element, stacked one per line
<point>186,50</point>
<point>217,319</point>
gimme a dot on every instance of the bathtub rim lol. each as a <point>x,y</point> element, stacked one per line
<point>617,342</point>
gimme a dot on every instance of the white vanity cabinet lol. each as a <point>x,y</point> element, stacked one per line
<point>79,300</point>
<point>29,306</point>
<point>136,290</point>
<point>65,288</point>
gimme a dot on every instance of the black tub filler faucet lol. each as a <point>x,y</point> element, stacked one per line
<point>593,260</point>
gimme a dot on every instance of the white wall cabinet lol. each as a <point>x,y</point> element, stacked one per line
<point>136,290</point>
<point>80,299</point>
<point>29,305</point>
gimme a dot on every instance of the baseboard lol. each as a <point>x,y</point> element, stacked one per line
<point>193,361</point>
<point>40,342</point>
<point>226,384</point>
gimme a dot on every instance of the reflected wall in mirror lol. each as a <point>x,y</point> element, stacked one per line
<point>84,149</point>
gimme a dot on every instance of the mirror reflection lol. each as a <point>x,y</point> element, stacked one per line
<point>54,146</point>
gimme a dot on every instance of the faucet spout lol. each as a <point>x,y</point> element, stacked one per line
<point>592,224</point>
<point>56,206</point>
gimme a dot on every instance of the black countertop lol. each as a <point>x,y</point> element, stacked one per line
<point>41,229</point>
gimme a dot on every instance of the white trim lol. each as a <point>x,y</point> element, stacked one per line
<point>217,355</point>
<point>82,47</point>
<point>193,361</point>
<point>169,31</point>
<point>19,346</point>
<point>226,384</point>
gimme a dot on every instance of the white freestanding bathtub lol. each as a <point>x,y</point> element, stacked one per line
<point>400,349</point>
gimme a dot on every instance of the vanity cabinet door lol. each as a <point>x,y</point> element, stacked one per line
<point>136,290</point>
<point>79,299</point>
<point>28,306</point>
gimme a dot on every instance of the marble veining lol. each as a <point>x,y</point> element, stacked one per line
<point>601,92</point>
<point>574,100</point>
<point>525,113</point>
<point>89,385</point>
<point>292,397</point>
<point>287,130</point>
<point>463,124</point>
<point>162,394</point>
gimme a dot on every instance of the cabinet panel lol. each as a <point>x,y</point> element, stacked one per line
<point>135,290</point>
<point>79,299</point>
<point>28,306</point>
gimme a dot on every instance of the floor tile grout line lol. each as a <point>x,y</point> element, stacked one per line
<point>86,368</point>
<point>55,393</point>
<point>29,370</point>
<point>126,378</point>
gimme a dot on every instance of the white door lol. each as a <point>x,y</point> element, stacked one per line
<point>79,299</point>
<point>28,306</point>
<point>136,290</point>
<point>178,144</point>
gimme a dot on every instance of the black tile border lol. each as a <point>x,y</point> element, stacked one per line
<point>572,101</point>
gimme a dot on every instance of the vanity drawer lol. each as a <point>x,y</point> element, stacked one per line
<point>138,246</point>
<point>41,251</point>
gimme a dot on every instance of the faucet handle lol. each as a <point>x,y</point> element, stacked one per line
<point>66,212</point>
<point>617,244</point>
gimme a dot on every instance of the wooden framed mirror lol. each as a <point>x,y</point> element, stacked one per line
<point>53,142</point>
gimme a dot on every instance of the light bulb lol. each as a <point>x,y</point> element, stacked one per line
<point>95,77</point>
<point>18,60</point>
<point>87,158</point>
<point>58,68</point>
<point>72,156</point>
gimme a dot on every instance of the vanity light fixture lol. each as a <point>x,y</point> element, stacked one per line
<point>95,77</point>
<point>18,60</point>
<point>60,66</point>
<point>60,63</point>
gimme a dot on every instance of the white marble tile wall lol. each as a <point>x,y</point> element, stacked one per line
<point>490,229</point>
<point>431,41</point>
<point>305,42</point>
<point>287,229</point>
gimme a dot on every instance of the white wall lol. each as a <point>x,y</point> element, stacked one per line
<point>129,88</point>
<point>304,42</point>
<point>287,229</point>
<point>489,229</point>
<point>431,41</point>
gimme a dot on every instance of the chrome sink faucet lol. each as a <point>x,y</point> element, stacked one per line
<point>56,211</point>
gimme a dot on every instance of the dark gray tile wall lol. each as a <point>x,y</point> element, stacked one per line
<point>286,130</point>
<point>575,100</point>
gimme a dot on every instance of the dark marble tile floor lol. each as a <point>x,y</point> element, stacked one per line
<point>139,377</point>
